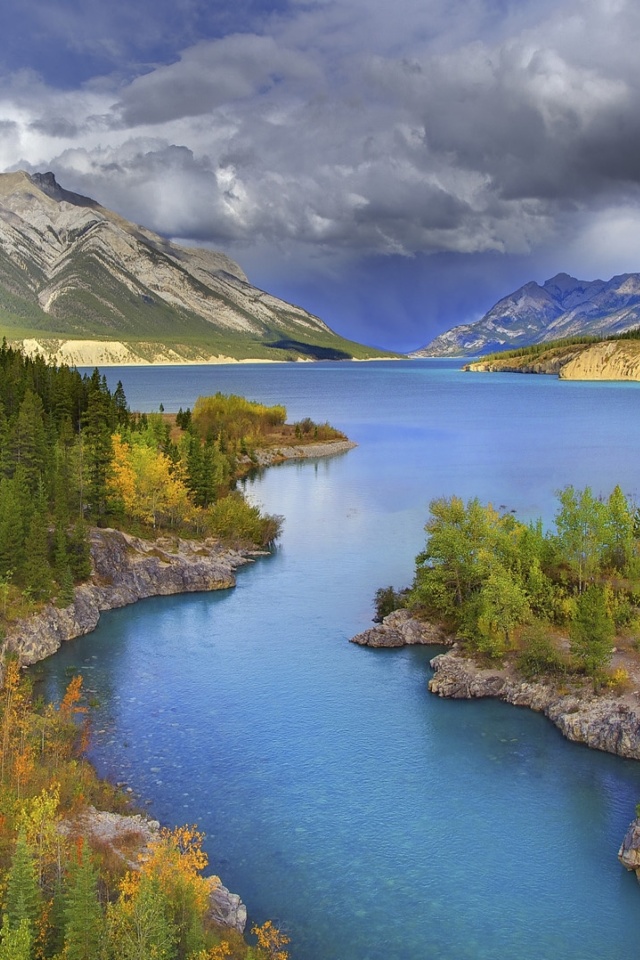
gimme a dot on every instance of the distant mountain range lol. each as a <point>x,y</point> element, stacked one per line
<point>561,307</point>
<point>80,283</point>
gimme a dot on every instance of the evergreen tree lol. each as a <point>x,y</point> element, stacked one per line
<point>23,900</point>
<point>27,442</point>
<point>36,570</point>
<point>84,922</point>
<point>139,928</point>
<point>592,632</point>
<point>98,453</point>
<point>16,942</point>
<point>12,534</point>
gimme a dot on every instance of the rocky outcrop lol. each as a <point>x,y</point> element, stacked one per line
<point>550,362</point>
<point>128,837</point>
<point>629,852</point>
<point>603,722</point>
<point>400,629</point>
<point>612,360</point>
<point>608,360</point>
<point>125,569</point>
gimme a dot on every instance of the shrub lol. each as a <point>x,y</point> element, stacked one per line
<point>238,522</point>
<point>387,600</point>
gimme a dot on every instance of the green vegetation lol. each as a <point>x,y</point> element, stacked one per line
<point>557,347</point>
<point>68,894</point>
<point>535,350</point>
<point>553,600</point>
<point>72,454</point>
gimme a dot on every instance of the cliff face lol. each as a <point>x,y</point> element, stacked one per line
<point>608,360</point>
<point>126,569</point>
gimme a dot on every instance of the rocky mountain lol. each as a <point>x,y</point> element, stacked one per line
<point>76,279</point>
<point>561,307</point>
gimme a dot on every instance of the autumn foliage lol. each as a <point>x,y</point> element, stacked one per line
<point>67,896</point>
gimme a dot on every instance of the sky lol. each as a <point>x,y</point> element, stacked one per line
<point>394,166</point>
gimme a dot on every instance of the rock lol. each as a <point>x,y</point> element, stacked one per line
<point>227,909</point>
<point>400,629</point>
<point>298,451</point>
<point>125,569</point>
<point>129,836</point>
<point>601,722</point>
<point>629,852</point>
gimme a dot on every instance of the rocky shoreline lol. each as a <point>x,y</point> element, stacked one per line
<point>125,569</point>
<point>601,721</point>
<point>299,451</point>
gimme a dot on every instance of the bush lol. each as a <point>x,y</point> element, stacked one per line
<point>539,657</point>
<point>386,601</point>
<point>238,522</point>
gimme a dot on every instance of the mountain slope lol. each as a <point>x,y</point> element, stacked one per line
<point>71,269</point>
<point>561,307</point>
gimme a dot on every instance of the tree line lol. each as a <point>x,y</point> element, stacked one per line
<point>504,586</point>
<point>72,454</point>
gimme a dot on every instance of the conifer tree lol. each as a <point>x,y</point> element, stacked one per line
<point>36,570</point>
<point>23,900</point>
<point>16,942</point>
<point>84,922</point>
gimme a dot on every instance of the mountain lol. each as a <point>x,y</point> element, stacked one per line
<point>561,307</point>
<point>79,281</point>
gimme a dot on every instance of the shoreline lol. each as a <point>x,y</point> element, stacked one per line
<point>601,722</point>
<point>605,721</point>
<point>126,569</point>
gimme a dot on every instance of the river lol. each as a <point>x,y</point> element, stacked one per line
<point>370,819</point>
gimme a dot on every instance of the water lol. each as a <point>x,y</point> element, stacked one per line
<point>373,821</point>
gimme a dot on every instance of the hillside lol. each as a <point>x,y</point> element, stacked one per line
<point>81,284</point>
<point>562,307</point>
<point>595,360</point>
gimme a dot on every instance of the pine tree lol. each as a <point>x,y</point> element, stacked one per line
<point>15,943</point>
<point>11,528</point>
<point>592,632</point>
<point>139,927</point>
<point>36,571</point>
<point>23,899</point>
<point>98,452</point>
<point>84,926</point>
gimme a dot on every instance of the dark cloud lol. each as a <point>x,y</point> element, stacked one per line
<point>56,127</point>
<point>328,135</point>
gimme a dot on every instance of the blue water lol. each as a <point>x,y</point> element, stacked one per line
<point>373,821</point>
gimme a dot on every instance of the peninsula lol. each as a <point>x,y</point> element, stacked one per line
<point>547,621</point>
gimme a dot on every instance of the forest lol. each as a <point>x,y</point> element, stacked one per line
<point>73,454</point>
<point>556,600</point>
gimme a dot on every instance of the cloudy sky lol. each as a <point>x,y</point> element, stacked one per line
<point>395,166</point>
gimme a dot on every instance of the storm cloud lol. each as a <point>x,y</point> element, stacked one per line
<point>331,134</point>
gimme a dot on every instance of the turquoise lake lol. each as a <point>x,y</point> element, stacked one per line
<point>370,819</point>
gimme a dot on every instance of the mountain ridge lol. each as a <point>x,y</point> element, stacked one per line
<point>72,270</point>
<point>561,307</point>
